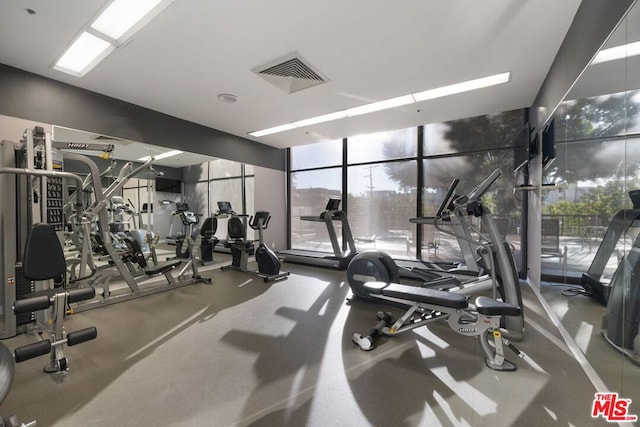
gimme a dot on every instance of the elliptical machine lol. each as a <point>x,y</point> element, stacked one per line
<point>183,242</point>
<point>492,248</point>
<point>268,262</point>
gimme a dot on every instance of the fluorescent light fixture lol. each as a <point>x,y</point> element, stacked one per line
<point>381,105</point>
<point>83,54</point>
<point>617,52</point>
<point>320,119</point>
<point>161,156</point>
<point>276,129</point>
<point>467,86</point>
<point>122,15</point>
<point>386,104</point>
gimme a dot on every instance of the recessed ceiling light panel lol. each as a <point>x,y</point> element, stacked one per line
<point>123,15</point>
<point>83,54</point>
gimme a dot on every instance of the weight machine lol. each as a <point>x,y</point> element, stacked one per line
<point>32,181</point>
<point>34,295</point>
<point>124,263</point>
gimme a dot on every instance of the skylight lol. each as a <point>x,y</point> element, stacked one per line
<point>114,26</point>
<point>121,15</point>
<point>83,54</point>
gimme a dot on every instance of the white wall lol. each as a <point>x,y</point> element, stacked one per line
<point>270,195</point>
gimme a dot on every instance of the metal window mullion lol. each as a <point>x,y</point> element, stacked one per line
<point>345,203</point>
<point>420,187</point>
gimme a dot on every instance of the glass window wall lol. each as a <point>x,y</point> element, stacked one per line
<point>381,199</point>
<point>310,191</point>
<point>437,244</point>
<point>398,144</point>
<point>317,155</point>
<point>383,175</point>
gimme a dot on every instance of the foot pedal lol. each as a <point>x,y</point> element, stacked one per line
<point>365,343</point>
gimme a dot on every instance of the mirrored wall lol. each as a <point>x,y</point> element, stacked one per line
<point>590,263</point>
<point>150,199</point>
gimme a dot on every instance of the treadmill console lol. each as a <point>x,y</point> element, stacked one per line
<point>225,208</point>
<point>333,205</point>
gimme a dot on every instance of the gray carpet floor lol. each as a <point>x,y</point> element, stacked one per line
<point>241,352</point>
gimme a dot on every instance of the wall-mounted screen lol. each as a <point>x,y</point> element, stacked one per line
<point>166,185</point>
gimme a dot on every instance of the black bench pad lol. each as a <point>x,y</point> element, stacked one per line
<point>417,294</point>
<point>162,268</point>
<point>490,307</point>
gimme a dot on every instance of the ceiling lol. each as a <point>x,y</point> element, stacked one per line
<point>370,50</point>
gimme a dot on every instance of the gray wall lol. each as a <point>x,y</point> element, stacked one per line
<point>33,97</point>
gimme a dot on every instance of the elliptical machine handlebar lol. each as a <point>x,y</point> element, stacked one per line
<point>482,188</point>
<point>260,220</point>
<point>444,206</point>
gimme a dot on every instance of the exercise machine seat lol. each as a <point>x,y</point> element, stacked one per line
<point>209,228</point>
<point>162,267</point>
<point>417,294</point>
<point>238,234</point>
<point>208,240</point>
<point>138,257</point>
<point>43,255</point>
<point>236,229</point>
<point>490,307</point>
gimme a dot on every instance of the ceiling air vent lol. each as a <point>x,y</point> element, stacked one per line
<point>291,74</point>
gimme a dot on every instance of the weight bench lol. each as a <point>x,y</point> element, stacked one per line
<point>428,305</point>
<point>44,261</point>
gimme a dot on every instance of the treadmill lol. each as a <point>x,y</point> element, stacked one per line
<point>172,239</point>
<point>339,259</point>
<point>593,281</point>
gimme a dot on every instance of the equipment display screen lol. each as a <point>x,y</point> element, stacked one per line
<point>224,207</point>
<point>333,205</point>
